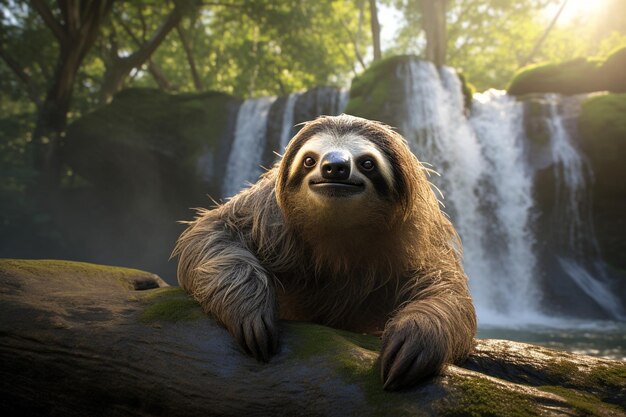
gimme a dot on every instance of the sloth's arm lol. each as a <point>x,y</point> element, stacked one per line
<point>437,326</point>
<point>218,269</point>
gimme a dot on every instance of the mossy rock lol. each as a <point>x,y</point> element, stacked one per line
<point>147,140</point>
<point>378,92</point>
<point>576,76</point>
<point>602,124</point>
<point>170,304</point>
<point>580,75</point>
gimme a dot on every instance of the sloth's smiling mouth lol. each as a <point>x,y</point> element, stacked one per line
<point>336,188</point>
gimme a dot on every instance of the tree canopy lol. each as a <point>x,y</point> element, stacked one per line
<point>60,59</point>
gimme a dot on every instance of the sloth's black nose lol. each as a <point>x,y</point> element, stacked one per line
<point>336,166</point>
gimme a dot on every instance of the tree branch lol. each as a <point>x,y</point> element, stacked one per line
<point>543,37</point>
<point>159,76</point>
<point>48,18</point>
<point>354,43</point>
<point>197,81</point>
<point>145,51</point>
<point>22,75</point>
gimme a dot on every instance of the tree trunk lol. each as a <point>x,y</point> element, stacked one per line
<point>375,30</point>
<point>76,35</point>
<point>434,25</point>
<point>80,339</point>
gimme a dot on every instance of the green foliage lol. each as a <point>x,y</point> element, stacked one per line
<point>250,48</point>
<point>489,40</point>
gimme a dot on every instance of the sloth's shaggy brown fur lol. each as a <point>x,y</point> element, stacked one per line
<point>265,255</point>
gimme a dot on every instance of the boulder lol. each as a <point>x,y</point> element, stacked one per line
<point>150,142</point>
<point>576,76</point>
<point>82,339</point>
<point>379,93</point>
<point>602,127</point>
<point>141,162</point>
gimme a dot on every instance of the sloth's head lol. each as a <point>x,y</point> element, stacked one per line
<point>347,172</point>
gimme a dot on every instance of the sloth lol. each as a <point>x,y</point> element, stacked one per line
<point>343,231</point>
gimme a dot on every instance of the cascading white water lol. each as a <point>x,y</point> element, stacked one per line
<point>287,125</point>
<point>507,277</point>
<point>245,155</point>
<point>488,188</point>
<point>487,191</point>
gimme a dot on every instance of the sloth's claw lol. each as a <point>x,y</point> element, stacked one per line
<point>258,337</point>
<point>405,358</point>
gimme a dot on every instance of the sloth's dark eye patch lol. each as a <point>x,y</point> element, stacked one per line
<point>367,164</point>
<point>309,162</point>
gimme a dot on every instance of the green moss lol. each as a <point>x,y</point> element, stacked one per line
<point>468,90</point>
<point>376,86</point>
<point>76,270</point>
<point>601,383</point>
<point>584,403</point>
<point>353,356</point>
<point>563,370</point>
<point>170,304</point>
<point>379,92</point>
<point>579,75</point>
<point>608,377</point>
<point>480,397</point>
<point>602,120</point>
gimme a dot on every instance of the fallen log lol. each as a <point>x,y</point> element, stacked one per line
<point>80,339</point>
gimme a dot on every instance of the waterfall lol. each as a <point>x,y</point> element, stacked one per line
<point>507,203</point>
<point>245,156</point>
<point>486,190</point>
<point>287,125</point>
<point>577,249</point>
<point>487,182</point>
<point>251,144</point>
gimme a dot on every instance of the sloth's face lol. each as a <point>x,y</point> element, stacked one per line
<point>340,179</point>
<point>339,169</point>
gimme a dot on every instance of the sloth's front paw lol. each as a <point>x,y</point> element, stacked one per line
<point>257,334</point>
<point>408,355</point>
